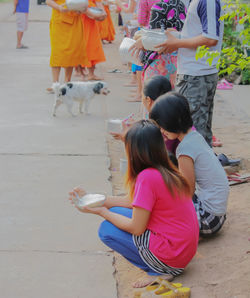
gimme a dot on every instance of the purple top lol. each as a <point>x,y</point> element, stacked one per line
<point>172,144</point>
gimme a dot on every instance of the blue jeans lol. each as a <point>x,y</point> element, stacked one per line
<point>122,242</point>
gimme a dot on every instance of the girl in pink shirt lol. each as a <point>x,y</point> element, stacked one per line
<point>155,227</point>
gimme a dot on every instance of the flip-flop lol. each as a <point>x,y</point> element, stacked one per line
<point>22,47</point>
<point>153,286</point>
<point>216,142</point>
<point>224,85</point>
<point>227,83</point>
<point>163,287</point>
<point>236,178</point>
<point>133,100</point>
<point>115,71</point>
<point>225,161</point>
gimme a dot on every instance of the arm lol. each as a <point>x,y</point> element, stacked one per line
<point>135,225</point>
<point>56,6</point>
<point>100,5</point>
<point>116,201</point>
<point>186,167</point>
<point>15,5</point>
<point>125,9</point>
<point>172,44</point>
<point>93,16</point>
<point>111,201</point>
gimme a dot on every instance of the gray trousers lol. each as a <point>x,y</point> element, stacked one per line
<point>199,91</point>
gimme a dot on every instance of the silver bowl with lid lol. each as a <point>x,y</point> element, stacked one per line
<point>124,52</point>
<point>89,200</point>
<point>96,11</point>
<point>154,37</point>
<point>77,5</point>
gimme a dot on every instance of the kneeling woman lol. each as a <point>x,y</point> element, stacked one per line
<point>155,227</point>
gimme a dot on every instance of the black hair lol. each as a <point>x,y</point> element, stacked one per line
<point>156,86</point>
<point>171,112</point>
<point>145,148</point>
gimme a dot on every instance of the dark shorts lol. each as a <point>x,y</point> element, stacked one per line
<point>209,223</point>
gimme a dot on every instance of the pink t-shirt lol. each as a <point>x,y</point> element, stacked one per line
<point>173,221</point>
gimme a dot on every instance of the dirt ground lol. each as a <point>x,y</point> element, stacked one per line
<point>221,266</point>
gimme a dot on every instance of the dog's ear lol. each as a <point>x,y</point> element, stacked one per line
<point>97,88</point>
<point>63,91</point>
<point>70,85</point>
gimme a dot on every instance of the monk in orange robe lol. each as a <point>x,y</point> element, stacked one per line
<point>107,29</point>
<point>67,41</point>
<point>94,50</point>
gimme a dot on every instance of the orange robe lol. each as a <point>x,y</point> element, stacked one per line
<point>95,53</point>
<point>66,38</point>
<point>107,29</point>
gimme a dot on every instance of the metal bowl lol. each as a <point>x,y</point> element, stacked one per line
<point>124,51</point>
<point>114,125</point>
<point>90,200</point>
<point>151,38</point>
<point>96,11</point>
<point>77,5</point>
<point>154,37</point>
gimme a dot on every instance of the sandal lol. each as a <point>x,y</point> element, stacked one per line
<point>162,287</point>
<point>236,178</point>
<point>225,161</point>
<point>224,85</point>
<point>216,142</point>
<point>22,47</point>
<point>116,70</point>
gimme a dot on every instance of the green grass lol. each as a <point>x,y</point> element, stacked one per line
<point>4,1</point>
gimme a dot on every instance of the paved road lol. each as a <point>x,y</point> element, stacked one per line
<point>47,248</point>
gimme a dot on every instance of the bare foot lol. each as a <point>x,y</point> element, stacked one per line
<point>143,282</point>
<point>134,99</point>
<point>94,78</point>
<point>77,74</point>
<point>131,84</point>
<point>50,90</point>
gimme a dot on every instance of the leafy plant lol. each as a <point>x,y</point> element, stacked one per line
<point>234,56</point>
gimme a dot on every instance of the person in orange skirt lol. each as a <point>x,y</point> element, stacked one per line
<point>107,29</point>
<point>94,50</point>
<point>67,41</point>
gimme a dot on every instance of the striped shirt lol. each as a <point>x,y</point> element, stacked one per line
<point>142,244</point>
<point>144,9</point>
<point>202,19</point>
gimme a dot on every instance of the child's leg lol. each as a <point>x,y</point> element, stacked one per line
<point>138,70</point>
<point>139,84</point>
<point>21,21</point>
<point>19,38</point>
<point>122,242</point>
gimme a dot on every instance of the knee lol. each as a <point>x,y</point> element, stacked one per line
<point>104,231</point>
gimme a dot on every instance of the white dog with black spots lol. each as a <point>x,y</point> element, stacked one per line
<point>82,92</point>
